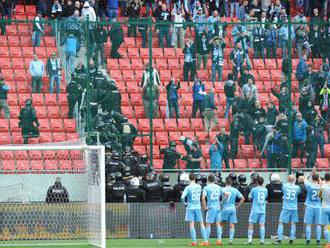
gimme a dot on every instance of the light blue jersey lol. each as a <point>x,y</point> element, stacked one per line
<point>212,193</point>
<point>229,195</point>
<point>193,194</point>
<point>312,199</point>
<point>290,196</point>
<point>258,195</point>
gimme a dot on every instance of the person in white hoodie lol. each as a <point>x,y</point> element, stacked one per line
<point>88,13</point>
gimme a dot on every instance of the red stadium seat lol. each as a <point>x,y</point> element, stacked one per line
<point>184,125</point>
<point>78,165</point>
<point>56,125</point>
<point>37,165</point>
<point>161,138</point>
<point>4,125</point>
<point>5,139</point>
<point>13,125</point>
<point>136,99</point>
<point>53,112</point>
<point>16,52</point>
<point>112,64</point>
<point>51,165</point>
<point>197,124</point>
<point>63,155</point>
<point>158,125</point>
<point>174,64</point>
<point>5,63</point>
<point>247,151</point>
<point>169,53</point>
<point>17,138</point>
<point>62,100</point>
<point>35,155</point>
<point>175,136</point>
<point>18,63</point>
<point>144,125</point>
<point>7,155</point>
<point>46,138</point>
<point>4,52</point>
<point>50,41</point>
<point>137,64</point>
<point>253,163</point>
<point>38,99</point>
<point>72,136</point>
<point>41,112</point>
<point>44,125</point>
<point>158,164</point>
<point>23,165</point>
<point>69,125</point>
<point>240,164</point>
<point>171,125</point>
<point>21,155</point>
<point>322,163</point>
<point>8,165</point>
<point>50,99</point>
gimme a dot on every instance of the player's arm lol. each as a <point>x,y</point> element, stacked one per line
<point>184,194</point>
<point>240,202</point>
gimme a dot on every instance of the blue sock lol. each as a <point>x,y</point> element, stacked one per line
<point>308,232</point>
<point>262,233</point>
<point>204,233</point>
<point>280,231</point>
<point>193,234</point>
<point>208,231</point>
<point>293,231</point>
<point>318,232</point>
<point>326,234</point>
<point>231,234</point>
<point>250,234</point>
<point>219,232</point>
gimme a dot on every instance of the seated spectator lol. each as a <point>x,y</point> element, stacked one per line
<point>230,89</point>
<point>173,98</point>
<point>146,75</point>
<point>217,50</point>
<point>150,96</point>
<point>53,70</point>
<point>202,51</point>
<point>37,71</point>
<point>116,35</point>
<point>198,96</point>
<point>28,121</point>
<point>299,137</point>
<point>3,97</point>
<point>210,117</point>
<point>189,65</point>
<point>178,28</point>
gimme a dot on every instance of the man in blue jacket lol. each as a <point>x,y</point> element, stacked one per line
<point>71,48</point>
<point>299,136</point>
<point>215,152</point>
<point>198,95</point>
<point>112,9</point>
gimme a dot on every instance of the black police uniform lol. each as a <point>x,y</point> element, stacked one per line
<point>118,191</point>
<point>28,122</point>
<point>275,192</point>
<point>170,158</point>
<point>57,193</point>
<point>178,190</point>
<point>153,190</point>
<point>135,194</point>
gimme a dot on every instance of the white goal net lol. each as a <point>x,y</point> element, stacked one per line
<point>52,195</point>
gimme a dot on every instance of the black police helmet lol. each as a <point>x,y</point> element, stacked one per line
<point>242,178</point>
<point>299,173</point>
<point>233,176</point>
<point>254,175</point>
<point>204,178</point>
<point>127,171</point>
<point>115,154</point>
<point>198,178</point>
<point>118,175</point>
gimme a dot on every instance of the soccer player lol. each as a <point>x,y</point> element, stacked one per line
<point>325,210</point>
<point>258,196</point>
<point>228,214</point>
<point>313,205</point>
<point>289,211</point>
<point>192,193</point>
<point>212,193</point>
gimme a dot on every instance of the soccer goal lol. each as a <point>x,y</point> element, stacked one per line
<point>52,195</point>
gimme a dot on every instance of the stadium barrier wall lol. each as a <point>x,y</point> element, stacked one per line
<point>166,220</point>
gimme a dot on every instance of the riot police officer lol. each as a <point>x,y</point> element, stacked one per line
<point>243,186</point>
<point>28,121</point>
<point>114,163</point>
<point>167,188</point>
<point>183,181</point>
<point>153,188</point>
<point>233,177</point>
<point>301,184</point>
<point>274,188</point>
<point>127,176</point>
<point>74,91</point>
<point>171,156</point>
<point>118,191</point>
<point>130,160</point>
<point>134,192</point>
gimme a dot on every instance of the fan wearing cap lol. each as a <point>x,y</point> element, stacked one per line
<point>3,97</point>
<point>28,121</point>
<point>53,70</point>
<point>171,156</point>
<point>274,188</point>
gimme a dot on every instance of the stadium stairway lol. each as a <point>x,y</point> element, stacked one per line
<point>128,70</point>
<point>16,52</point>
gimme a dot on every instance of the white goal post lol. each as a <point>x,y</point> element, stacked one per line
<point>52,195</point>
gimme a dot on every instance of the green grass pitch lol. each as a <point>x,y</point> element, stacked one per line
<point>180,243</point>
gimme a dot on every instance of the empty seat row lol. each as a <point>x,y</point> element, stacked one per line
<point>38,99</point>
